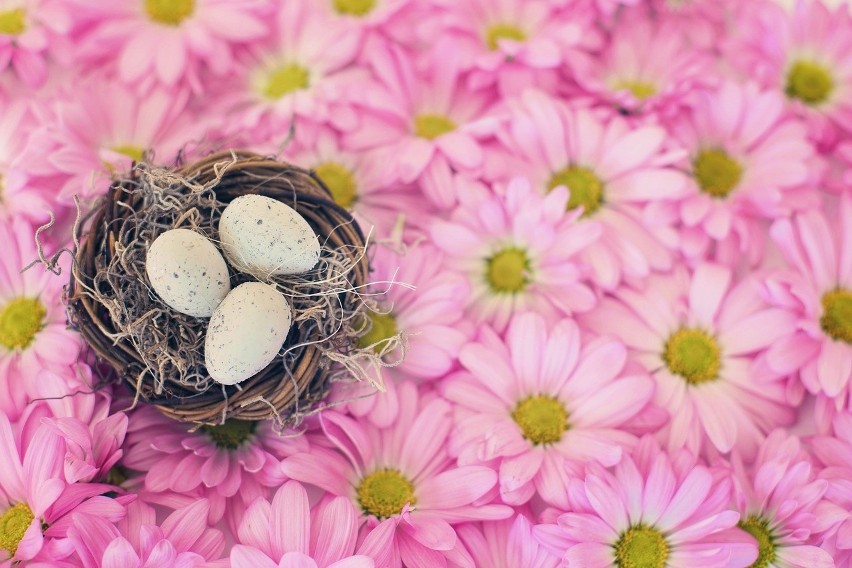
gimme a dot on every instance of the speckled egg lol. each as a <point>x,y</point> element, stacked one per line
<point>262,236</point>
<point>246,332</point>
<point>188,273</point>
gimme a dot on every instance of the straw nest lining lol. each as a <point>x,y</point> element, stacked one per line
<point>158,351</point>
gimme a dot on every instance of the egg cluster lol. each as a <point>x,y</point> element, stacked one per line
<point>260,237</point>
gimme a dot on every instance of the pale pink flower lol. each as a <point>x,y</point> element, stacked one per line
<point>520,252</point>
<point>505,544</point>
<point>817,293</point>
<point>651,509</point>
<point>702,338</point>
<point>27,28</point>
<point>168,42</point>
<point>834,452</point>
<point>749,160</point>
<point>403,481</point>
<point>287,533</point>
<point>615,169</point>
<point>540,398</point>
<point>702,21</point>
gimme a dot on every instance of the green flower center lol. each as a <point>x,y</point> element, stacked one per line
<point>585,187</point>
<point>641,547</point>
<point>694,355</point>
<point>759,529</point>
<point>232,434</point>
<point>716,172</point>
<point>542,419</point>
<point>382,328</point>
<point>284,80</point>
<point>340,181</point>
<point>169,12</point>
<point>640,89</point>
<point>135,153</point>
<point>836,320</point>
<point>20,321</point>
<point>507,272</point>
<point>809,82</point>
<point>13,22</point>
<point>13,525</point>
<point>495,33</point>
<point>430,126</point>
<point>354,7</point>
<point>384,493</point>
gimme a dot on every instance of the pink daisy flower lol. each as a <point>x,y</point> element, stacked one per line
<point>181,540</point>
<point>287,533</point>
<point>33,331</point>
<point>651,510</point>
<point>169,41</point>
<point>403,482</point>
<point>749,159</point>
<point>612,170</point>
<point>701,338</point>
<point>818,295</point>
<point>540,398</point>
<point>519,251</point>
<point>505,544</point>
<point>27,28</point>
<point>779,500</point>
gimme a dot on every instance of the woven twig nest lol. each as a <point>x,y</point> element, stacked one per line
<point>157,352</point>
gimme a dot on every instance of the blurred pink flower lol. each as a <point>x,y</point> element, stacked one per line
<point>505,544</point>
<point>540,398</point>
<point>834,453</point>
<point>27,29</point>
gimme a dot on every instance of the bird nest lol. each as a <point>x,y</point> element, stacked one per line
<point>157,351</point>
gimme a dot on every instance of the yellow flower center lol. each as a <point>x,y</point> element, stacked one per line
<point>232,434</point>
<point>542,419</point>
<point>430,126</point>
<point>20,321</point>
<point>169,12</point>
<point>641,547</point>
<point>135,153</point>
<point>836,320</point>
<point>384,493</point>
<point>382,328</point>
<point>759,529</point>
<point>495,33</point>
<point>340,181</point>
<point>284,80</point>
<point>13,22</point>
<point>507,272</point>
<point>809,82</point>
<point>13,525</point>
<point>354,7</point>
<point>716,172</point>
<point>693,355</point>
<point>585,186</point>
<point>639,89</point>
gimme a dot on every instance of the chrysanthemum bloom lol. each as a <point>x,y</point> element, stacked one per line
<point>778,498</point>
<point>701,338</point>
<point>505,544</point>
<point>818,294</point>
<point>287,533</point>
<point>169,41</point>
<point>652,510</point>
<point>408,490</point>
<point>414,295</point>
<point>834,452</point>
<point>612,170</point>
<point>427,117</point>
<point>649,66</point>
<point>36,504</point>
<point>26,30</point>
<point>806,54</point>
<point>33,332</point>
<point>539,398</point>
<point>519,252</point>
<point>749,160</point>
<point>181,540</point>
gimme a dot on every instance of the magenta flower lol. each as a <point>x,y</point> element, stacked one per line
<point>505,544</point>
<point>541,398</point>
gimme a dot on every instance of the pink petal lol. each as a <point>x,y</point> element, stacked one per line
<point>185,526</point>
<point>834,366</point>
<point>248,557</point>
<point>688,498</point>
<point>290,519</point>
<point>120,554</point>
<point>709,284</point>
<point>460,148</point>
<point>336,531</point>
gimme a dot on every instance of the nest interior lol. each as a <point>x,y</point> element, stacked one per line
<point>158,351</point>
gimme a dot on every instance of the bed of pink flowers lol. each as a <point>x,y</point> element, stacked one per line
<point>629,226</point>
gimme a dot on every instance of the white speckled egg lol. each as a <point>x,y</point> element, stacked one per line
<point>262,236</point>
<point>188,273</point>
<point>246,332</point>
